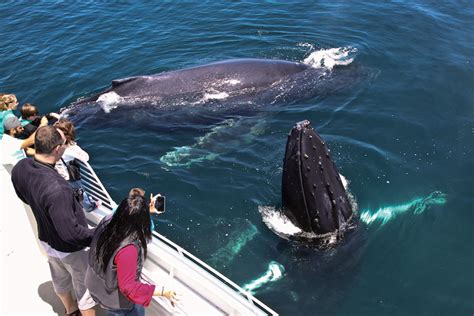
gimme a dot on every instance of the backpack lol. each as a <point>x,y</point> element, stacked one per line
<point>73,169</point>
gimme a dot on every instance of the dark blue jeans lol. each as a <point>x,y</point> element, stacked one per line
<point>137,310</point>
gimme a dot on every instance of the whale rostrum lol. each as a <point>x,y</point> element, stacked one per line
<point>313,195</point>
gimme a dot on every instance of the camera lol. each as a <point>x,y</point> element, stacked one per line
<point>160,204</point>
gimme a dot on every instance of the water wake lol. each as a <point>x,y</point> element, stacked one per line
<point>275,272</point>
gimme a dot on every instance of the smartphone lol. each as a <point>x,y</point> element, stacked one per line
<point>160,204</point>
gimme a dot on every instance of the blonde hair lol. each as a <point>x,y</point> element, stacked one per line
<point>5,100</point>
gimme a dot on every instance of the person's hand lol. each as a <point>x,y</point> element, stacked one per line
<point>152,203</point>
<point>172,296</point>
<point>44,121</point>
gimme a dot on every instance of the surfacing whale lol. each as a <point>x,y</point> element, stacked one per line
<point>237,81</point>
<point>313,195</point>
<point>218,80</point>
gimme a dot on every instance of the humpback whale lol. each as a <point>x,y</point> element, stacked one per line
<point>232,78</point>
<point>210,95</point>
<point>246,83</point>
<point>313,196</point>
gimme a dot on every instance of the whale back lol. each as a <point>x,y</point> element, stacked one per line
<point>227,76</point>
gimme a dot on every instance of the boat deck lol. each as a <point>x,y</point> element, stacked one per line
<point>26,287</point>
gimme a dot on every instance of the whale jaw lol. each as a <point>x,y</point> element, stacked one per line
<point>313,195</point>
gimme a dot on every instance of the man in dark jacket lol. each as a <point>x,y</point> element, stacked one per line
<point>62,225</point>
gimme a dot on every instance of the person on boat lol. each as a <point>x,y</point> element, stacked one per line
<point>64,165</point>
<point>139,191</point>
<point>30,118</point>
<point>117,253</point>
<point>8,103</point>
<point>12,147</point>
<point>62,226</point>
<point>29,113</point>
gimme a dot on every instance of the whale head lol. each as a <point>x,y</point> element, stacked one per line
<point>313,195</point>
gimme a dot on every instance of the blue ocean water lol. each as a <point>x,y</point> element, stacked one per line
<point>401,134</point>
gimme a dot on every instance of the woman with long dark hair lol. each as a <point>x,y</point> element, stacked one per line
<point>116,257</point>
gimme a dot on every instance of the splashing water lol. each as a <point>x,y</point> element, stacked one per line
<point>328,58</point>
<point>109,101</point>
<point>275,272</point>
<point>385,214</point>
<point>277,221</point>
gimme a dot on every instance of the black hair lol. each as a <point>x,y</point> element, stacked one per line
<point>46,139</point>
<point>131,219</point>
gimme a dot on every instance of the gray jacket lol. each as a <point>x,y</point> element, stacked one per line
<point>103,286</point>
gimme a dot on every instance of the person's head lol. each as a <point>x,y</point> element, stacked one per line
<point>130,220</point>
<point>67,128</point>
<point>28,111</point>
<point>12,126</point>
<point>136,192</point>
<point>8,102</point>
<point>50,141</point>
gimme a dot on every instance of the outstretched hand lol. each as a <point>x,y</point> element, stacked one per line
<point>152,203</point>
<point>172,296</point>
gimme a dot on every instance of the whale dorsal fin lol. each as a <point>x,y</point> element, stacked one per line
<point>119,82</point>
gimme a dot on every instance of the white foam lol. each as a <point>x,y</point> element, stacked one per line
<point>277,221</point>
<point>306,45</point>
<point>109,101</point>
<point>328,58</point>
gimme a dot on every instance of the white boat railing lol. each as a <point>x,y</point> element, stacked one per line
<point>207,291</point>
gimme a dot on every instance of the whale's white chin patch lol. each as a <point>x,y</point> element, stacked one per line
<point>109,101</point>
